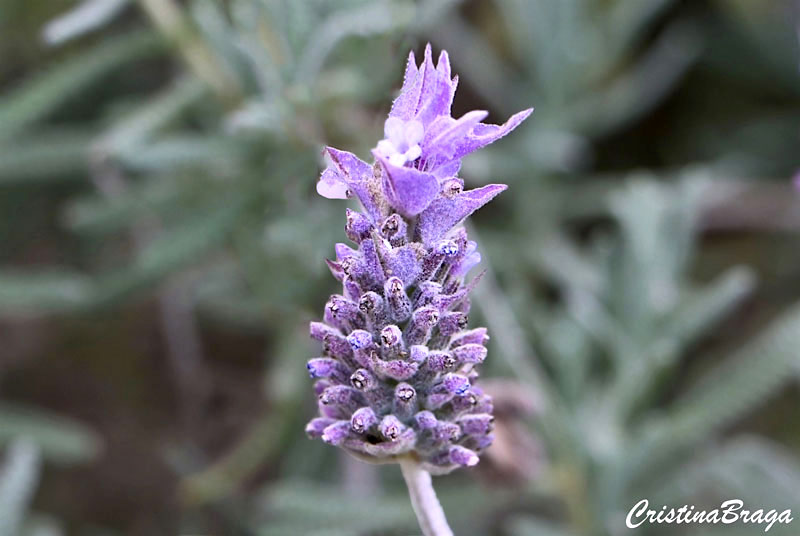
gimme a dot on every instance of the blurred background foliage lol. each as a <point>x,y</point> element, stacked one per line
<point>161,252</point>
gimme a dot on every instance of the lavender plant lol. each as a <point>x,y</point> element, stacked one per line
<point>396,382</point>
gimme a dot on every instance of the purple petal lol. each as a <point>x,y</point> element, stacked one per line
<point>409,190</point>
<point>445,212</point>
<point>483,135</point>
<point>446,134</point>
<point>331,186</point>
<point>357,175</point>
<point>446,170</point>
<point>427,91</point>
<point>404,106</point>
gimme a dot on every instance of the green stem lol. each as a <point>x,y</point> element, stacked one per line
<point>423,498</point>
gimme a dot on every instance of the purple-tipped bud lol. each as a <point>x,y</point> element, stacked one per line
<point>441,362</point>
<point>360,339</point>
<point>395,369</point>
<point>391,335</point>
<point>371,305</point>
<point>455,384</point>
<point>334,343</point>
<point>342,396</point>
<point>336,433</point>
<point>431,264</point>
<point>405,401</point>
<point>316,426</point>
<point>394,229</point>
<point>418,353</point>
<point>320,331</point>
<point>425,420</point>
<point>363,419</point>
<point>463,456</point>
<point>446,432</point>
<point>340,312</point>
<point>370,271</point>
<point>325,367</point>
<point>470,353</point>
<point>473,336</point>
<point>464,402</point>
<point>427,294</point>
<point>476,424</point>
<point>352,290</point>
<point>363,346</point>
<point>422,321</point>
<point>321,385</point>
<point>483,442</point>
<point>358,226</point>
<point>390,427</point>
<point>363,380</point>
<point>399,304</point>
<point>452,323</point>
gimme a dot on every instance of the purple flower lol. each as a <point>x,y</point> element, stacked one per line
<point>397,374</point>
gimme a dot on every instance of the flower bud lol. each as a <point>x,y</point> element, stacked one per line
<point>470,353</point>
<point>422,321</point>
<point>390,427</point>
<point>326,367</point>
<point>336,433</point>
<point>363,420</point>
<point>405,401</point>
<point>315,427</point>
<point>358,227</point>
<point>427,294</point>
<point>425,420</point>
<point>363,380</point>
<point>342,396</point>
<point>399,304</point>
<point>394,229</point>
<point>476,424</point>
<point>463,456</point>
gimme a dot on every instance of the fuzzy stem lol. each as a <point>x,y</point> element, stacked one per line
<point>423,498</point>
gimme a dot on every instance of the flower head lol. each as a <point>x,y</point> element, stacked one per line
<point>397,374</point>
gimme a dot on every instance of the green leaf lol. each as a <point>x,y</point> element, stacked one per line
<point>44,157</point>
<point>703,308</point>
<point>83,18</point>
<point>753,469</point>
<point>129,133</point>
<point>48,291</point>
<point>39,96</point>
<point>61,440</point>
<point>99,214</point>
<point>370,19</point>
<point>18,478</point>
<point>736,386</point>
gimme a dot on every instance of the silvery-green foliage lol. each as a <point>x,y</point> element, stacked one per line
<point>19,476</point>
<point>632,309</point>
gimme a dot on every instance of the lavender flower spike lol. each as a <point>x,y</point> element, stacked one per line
<point>397,372</point>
